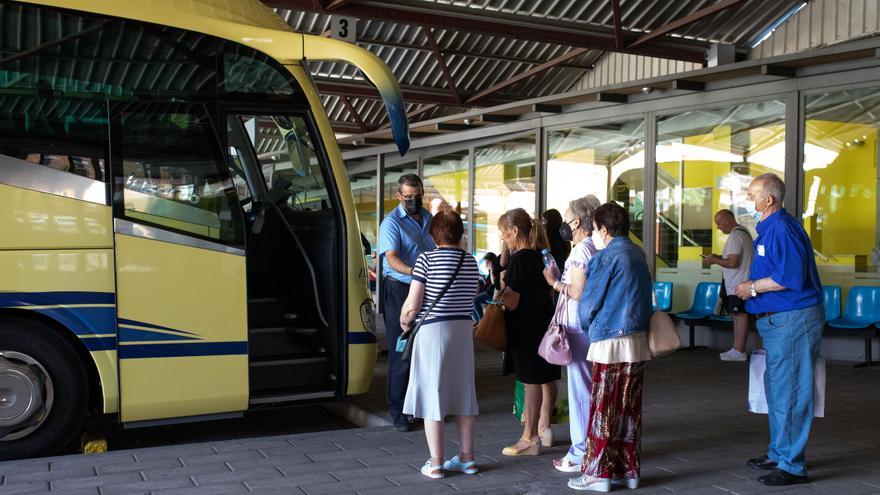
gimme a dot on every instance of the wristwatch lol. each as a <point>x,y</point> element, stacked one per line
<point>753,291</point>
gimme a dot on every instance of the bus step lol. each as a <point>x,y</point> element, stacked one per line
<point>282,341</point>
<point>288,373</point>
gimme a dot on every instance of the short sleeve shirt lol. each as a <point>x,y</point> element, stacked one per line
<point>739,242</point>
<point>435,269</point>
<point>784,253</point>
<point>402,233</point>
<point>579,258</point>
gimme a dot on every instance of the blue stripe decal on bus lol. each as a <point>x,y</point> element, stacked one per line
<point>135,335</point>
<point>134,323</point>
<point>11,299</point>
<point>361,338</point>
<point>99,343</point>
<point>84,321</point>
<point>137,351</point>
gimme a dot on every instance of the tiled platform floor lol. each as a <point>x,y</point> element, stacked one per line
<point>697,437</point>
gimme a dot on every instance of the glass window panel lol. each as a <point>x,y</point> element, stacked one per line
<point>606,160</point>
<point>285,151</point>
<point>173,174</point>
<point>840,176</point>
<point>705,161</point>
<point>67,134</point>
<point>505,179</point>
<point>446,184</point>
<point>390,200</point>
<point>363,186</point>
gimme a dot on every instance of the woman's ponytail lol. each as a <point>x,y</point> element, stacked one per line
<point>537,236</point>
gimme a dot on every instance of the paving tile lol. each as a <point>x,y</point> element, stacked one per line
<point>144,486</point>
<point>347,486</point>
<point>31,487</point>
<point>230,489</point>
<point>183,472</point>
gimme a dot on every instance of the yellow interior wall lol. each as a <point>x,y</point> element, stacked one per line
<point>847,191</point>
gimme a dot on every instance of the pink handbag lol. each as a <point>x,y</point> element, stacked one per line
<point>554,346</point>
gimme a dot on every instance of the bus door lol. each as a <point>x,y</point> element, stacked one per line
<point>180,266</point>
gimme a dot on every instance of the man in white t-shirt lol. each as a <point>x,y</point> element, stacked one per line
<point>734,262</point>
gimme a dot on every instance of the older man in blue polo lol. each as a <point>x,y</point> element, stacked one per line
<point>785,295</point>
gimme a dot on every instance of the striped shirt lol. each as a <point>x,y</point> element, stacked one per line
<point>435,269</point>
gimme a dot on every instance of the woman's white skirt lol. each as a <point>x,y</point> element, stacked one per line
<point>441,373</point>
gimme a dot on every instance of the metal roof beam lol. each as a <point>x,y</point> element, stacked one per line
<point>411,94</point>
<point>356,116</point>
<point>438,56</point>
<point>684,21</point>
<point>465,53</point>
<point>516,27</point>
<point>618,29</point>
<point>335,4</point>
<point>529,73</point>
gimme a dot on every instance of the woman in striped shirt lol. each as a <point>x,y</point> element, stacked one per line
<point>441,377</point>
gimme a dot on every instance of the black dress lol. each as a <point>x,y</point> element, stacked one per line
<point>527,323</point>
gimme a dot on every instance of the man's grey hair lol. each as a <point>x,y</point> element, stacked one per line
<point>773,186</point>
<point>583,209</point>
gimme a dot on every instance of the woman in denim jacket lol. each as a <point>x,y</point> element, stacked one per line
<point>616,308</point>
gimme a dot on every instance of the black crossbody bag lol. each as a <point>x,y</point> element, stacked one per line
<point>411,336</point>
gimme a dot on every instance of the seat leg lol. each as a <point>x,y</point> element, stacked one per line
<point>869,353</point>
<point>691,346</point>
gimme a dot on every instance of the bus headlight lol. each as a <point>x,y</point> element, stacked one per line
<point>368,315</point>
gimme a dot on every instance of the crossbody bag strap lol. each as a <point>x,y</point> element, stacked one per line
<point>442,293</point>
<point>418,325</point>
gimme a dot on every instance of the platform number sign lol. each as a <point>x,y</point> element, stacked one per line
<point>343,28</point>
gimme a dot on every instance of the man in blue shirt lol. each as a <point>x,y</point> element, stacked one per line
<point>403,236</point>
<point>785,294</point>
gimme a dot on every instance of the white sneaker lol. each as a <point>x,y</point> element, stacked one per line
<point>588,483</point>
<point>631,483</point>
<point>733,355</point>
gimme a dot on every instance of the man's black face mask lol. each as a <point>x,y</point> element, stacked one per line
<point>413,205</point>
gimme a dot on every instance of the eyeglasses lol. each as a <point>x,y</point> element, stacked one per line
<point>412,196</point>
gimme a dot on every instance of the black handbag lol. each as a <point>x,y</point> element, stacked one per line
<point>411,336</point>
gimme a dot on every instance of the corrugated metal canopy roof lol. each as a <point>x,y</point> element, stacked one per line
<point>487,43</point>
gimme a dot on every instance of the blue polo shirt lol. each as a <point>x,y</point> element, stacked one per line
<point>784,253</point>
<point>400,232</point>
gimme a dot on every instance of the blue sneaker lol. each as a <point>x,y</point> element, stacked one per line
<point>455,464</point>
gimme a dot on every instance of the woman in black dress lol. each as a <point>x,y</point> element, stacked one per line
<point>528,307</point>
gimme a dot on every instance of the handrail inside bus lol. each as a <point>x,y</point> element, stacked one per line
<point>320,48</point>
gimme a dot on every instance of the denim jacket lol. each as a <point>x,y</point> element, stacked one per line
<point>617,295</point>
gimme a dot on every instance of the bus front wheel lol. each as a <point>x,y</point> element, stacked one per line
<point>43,390</point>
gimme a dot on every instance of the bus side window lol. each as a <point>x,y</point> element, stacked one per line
<point>174,176</point>
<point>285,149</point>
<point>60,133</point>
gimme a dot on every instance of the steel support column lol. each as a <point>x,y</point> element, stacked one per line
<point>649,221</point>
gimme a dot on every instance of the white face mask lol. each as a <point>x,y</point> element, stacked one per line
<point>598,240</point>
<point>753,211</point>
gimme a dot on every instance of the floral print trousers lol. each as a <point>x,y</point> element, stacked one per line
<point>614,428</point>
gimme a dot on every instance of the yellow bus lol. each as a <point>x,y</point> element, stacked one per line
<point>179,239</point>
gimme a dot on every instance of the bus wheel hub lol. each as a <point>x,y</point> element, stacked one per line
<point>25,395</point>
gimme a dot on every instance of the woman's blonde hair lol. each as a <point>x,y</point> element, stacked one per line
<point>527,226</point>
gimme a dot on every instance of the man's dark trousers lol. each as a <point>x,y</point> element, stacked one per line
<point>398,368</point>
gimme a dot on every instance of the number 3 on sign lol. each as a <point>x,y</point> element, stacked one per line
<point>343,28</point>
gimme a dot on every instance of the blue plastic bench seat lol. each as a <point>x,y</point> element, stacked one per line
<point>831,297</point>
<point>860,317</point>
<point>662,296</point>
<point>703,307</point>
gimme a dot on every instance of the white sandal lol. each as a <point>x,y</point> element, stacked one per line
<point>566,466</point>
<point>433,472</point>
